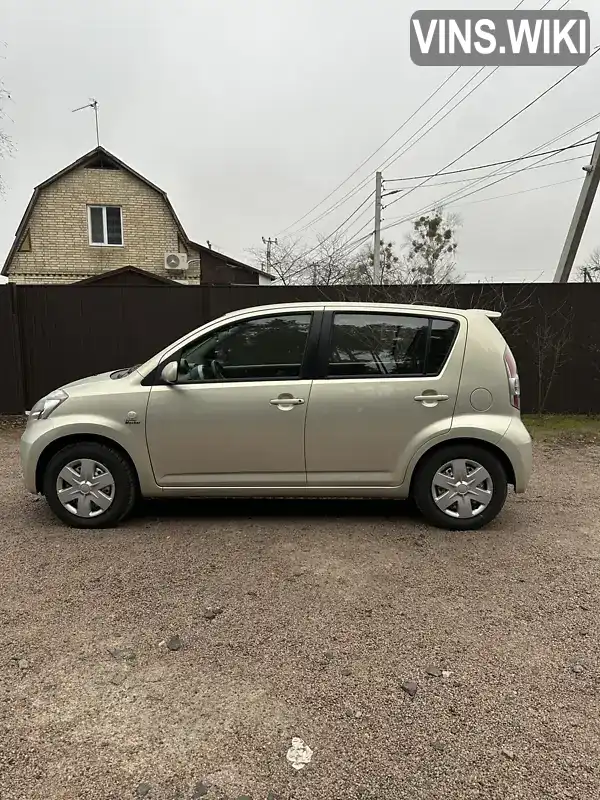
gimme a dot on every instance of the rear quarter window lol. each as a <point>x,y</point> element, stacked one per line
<point>443,334</point>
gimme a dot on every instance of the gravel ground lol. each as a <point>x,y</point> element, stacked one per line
<point>327,610</point>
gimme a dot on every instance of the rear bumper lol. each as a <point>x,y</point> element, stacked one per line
<point>516,443</point>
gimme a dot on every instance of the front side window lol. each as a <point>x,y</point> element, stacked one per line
<point>263,348</point>
<point>105,225</point>
<point>392,345</point>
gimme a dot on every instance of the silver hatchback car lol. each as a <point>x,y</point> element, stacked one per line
<point>304,399</point>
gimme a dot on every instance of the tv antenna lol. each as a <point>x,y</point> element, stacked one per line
<point>92,104</point>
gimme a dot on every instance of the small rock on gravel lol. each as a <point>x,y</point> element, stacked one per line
<point>200,790</point>
<point>433,672</point>
<point>23,663</point>
<point>346,672</point>
<point>577,669</point>
<point>122,653</point>
<point>439,746</point>
<point>410,687</point>
<point>508,753</point>
<point>212,612</point>
<point>143,789</point>
<point>174,643</point>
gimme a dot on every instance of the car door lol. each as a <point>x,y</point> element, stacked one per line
<point>236,415</point>
<point>386,382</point>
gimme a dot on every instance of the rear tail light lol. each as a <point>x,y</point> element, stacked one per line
<point>514,386</point>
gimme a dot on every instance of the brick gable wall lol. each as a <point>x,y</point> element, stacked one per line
<point>60,250</point>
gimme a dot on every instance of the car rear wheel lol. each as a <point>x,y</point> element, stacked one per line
<point>460,487</point>
<point>89,485</point>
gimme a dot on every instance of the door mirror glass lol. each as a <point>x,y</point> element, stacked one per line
<point>169,372</point>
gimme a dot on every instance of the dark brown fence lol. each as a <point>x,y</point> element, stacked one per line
<point>50,335</point>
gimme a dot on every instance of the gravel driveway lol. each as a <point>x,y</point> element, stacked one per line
<point>327,609</point>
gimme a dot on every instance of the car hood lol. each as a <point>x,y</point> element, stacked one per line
<point>103,376</point>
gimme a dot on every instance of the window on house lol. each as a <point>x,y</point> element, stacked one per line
<point>105,225</point>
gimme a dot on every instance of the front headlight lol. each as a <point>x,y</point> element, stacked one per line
<point>44,407</point>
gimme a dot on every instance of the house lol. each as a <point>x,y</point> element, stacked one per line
<point>98,215</point>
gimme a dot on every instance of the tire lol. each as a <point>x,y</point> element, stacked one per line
<point>118,497</point>
<point>493,490</point>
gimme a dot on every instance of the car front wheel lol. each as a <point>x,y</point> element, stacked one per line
<point>89,485</point>
<point>460,487</point>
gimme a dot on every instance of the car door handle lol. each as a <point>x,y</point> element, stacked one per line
<point>286,401</point>
<point>436,398</point>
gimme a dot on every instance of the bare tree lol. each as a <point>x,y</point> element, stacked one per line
<point>591,266</point>
<point>328,262</point>
<point>6,144</point>
<point>551,338</point>
<point>288,261</point>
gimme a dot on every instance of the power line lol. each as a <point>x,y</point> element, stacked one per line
<point>387,163</point>
<point>504,124</point>
<point>339,227</point>
<point>437,204</point>
<point>471,180</point>
<point>523,191</point>
<point>545,156</point>
<point>357,188</point>
<point>360,166</point>
<point>533,153</point>
<point>398,155</point>
<point>495,163</point>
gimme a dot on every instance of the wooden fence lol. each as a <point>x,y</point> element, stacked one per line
<point>50,335</point>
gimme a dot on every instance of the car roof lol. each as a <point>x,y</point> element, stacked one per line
<point>366,305</point>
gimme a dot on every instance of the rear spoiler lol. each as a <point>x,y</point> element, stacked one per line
<point>488,314</point>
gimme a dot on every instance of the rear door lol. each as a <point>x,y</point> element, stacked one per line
<point>386,382</point>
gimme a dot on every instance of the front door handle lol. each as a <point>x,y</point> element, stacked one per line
<point>428,398</point>
<point>286,401</point>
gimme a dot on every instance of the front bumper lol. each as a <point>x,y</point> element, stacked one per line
<point>516,443</point>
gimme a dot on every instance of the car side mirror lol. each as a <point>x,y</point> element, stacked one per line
<point>170,372</point>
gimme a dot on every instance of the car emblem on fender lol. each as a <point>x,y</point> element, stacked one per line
<point>131,418</point>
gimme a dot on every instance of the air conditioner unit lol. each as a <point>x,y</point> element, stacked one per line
<point>176,262</point>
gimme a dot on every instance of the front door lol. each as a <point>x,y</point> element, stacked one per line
<point>237,413</point>
<point>387,383</point>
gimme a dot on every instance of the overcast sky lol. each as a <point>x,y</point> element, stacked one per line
<point>250,113</point>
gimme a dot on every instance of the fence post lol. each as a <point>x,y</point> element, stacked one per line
<point>20,344</point>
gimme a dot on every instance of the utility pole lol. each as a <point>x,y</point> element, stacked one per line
<point>269,242</point>
<point>580,217</point>
<point>377,274</point>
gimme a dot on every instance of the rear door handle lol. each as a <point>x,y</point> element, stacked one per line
<point>286,401</point>
<point>436,398</point>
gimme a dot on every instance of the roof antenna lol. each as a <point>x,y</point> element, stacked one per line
<point>92,104</point>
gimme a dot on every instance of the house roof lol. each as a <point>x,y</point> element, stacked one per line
<point>99,154</point>
<point>150,277</point>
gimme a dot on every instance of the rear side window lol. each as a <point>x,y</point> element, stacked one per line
<point>443,333</point>
<point>379,345</point>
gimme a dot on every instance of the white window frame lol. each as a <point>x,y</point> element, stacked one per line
<point>104,228</point>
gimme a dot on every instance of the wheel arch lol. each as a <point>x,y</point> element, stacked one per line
<point>484,445</point>
<point>55,446</point>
